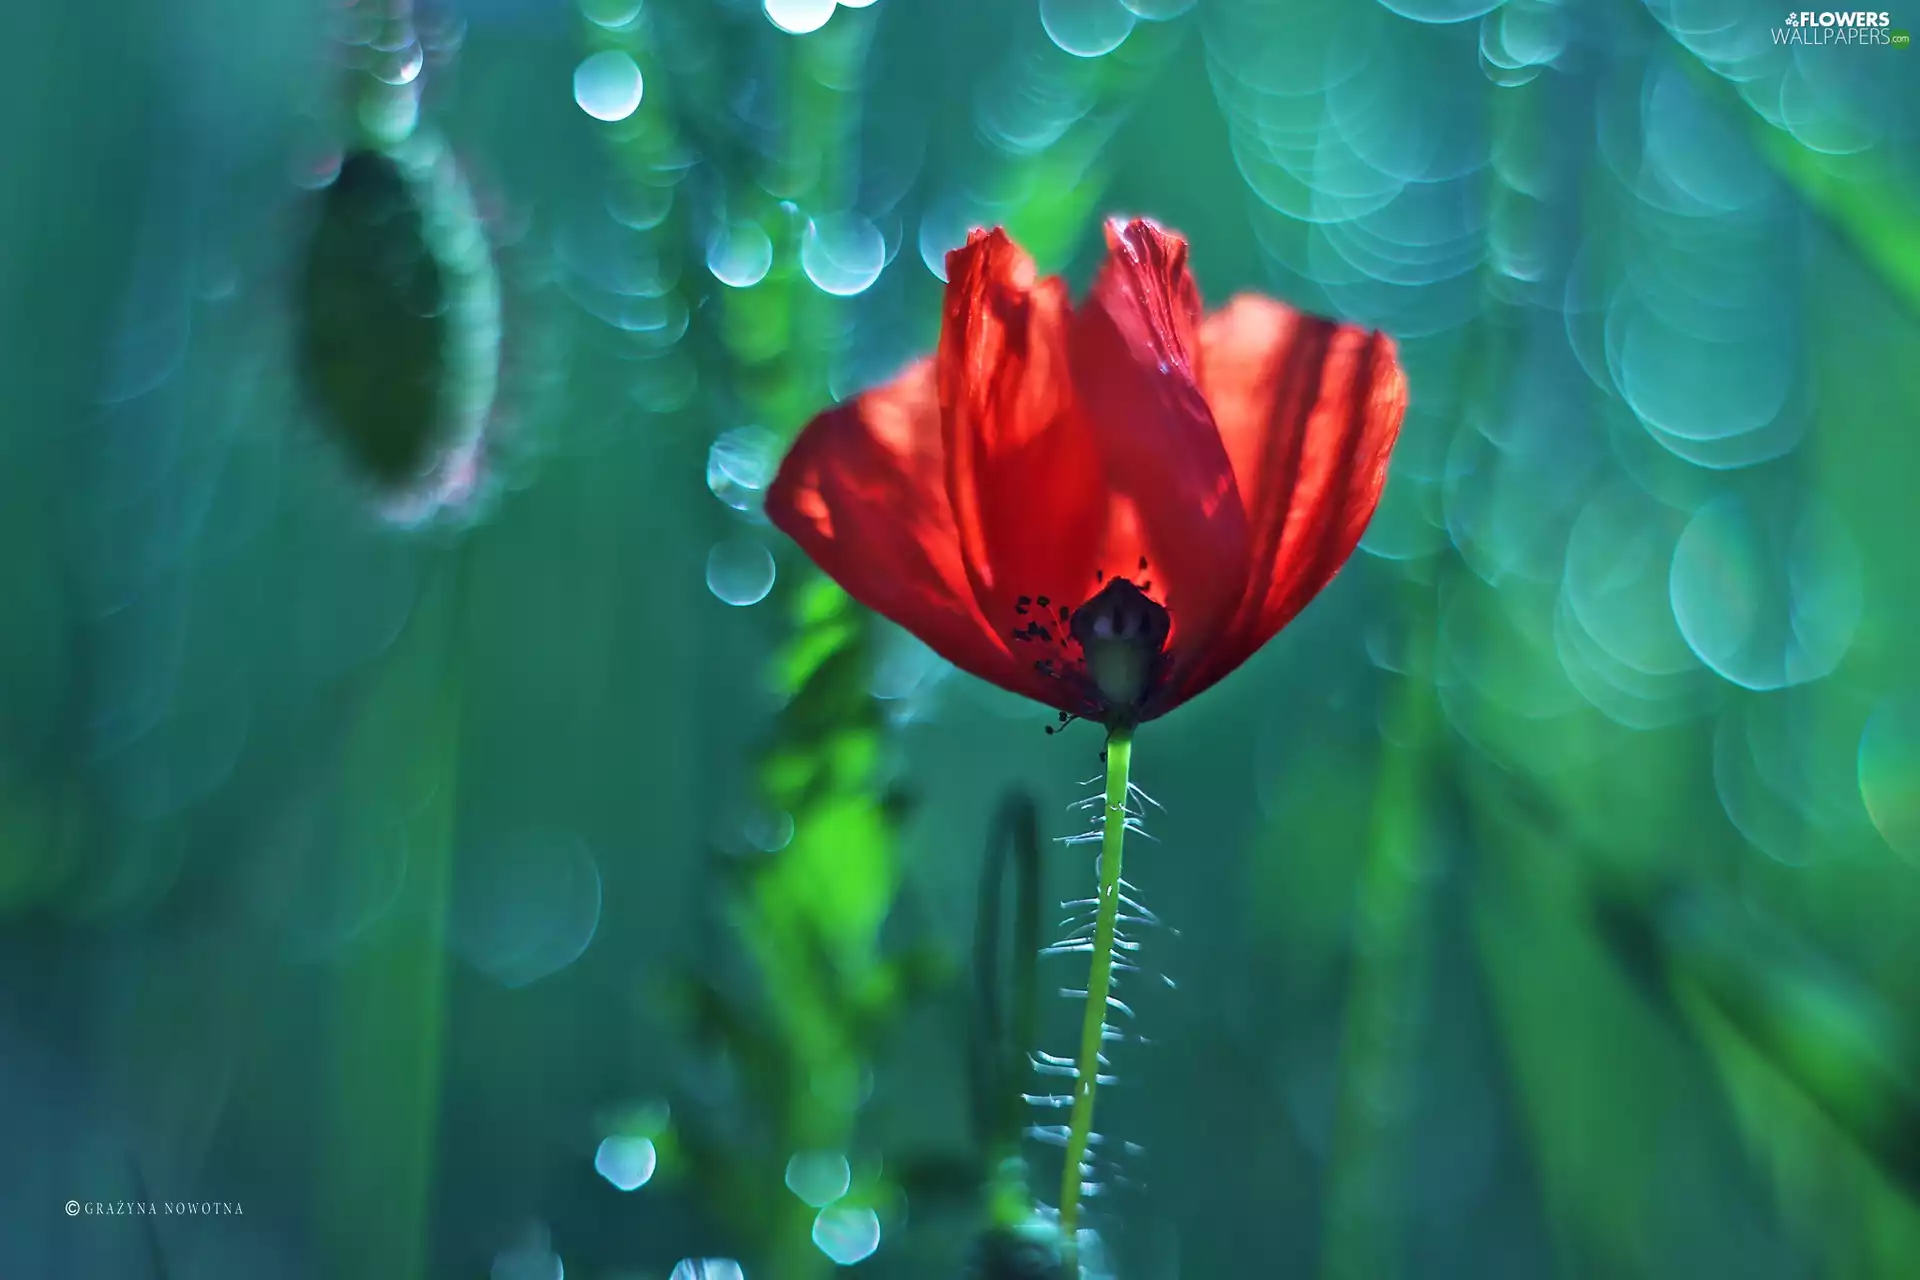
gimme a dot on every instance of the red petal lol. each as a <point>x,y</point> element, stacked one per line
<point>1023,473</point>
<point>1134,346</point>
<point>1309,411</point>
<point>863,491</point>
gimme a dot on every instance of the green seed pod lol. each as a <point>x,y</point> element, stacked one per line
<point>399,321</point>
<point>373,347</point>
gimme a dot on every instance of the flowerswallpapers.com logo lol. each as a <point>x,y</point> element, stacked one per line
<point>1828,27</point>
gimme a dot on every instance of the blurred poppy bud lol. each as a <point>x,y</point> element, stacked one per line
<point>399,316</point>
<point>373,352</point>
<point>1028,1252</point>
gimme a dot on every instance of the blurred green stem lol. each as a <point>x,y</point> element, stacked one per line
<point>1003,1037</point>
<point>1099,980</point>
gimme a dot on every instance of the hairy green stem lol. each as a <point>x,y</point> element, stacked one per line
<point>1099,981</point>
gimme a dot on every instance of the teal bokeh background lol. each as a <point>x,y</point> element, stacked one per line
<point>1541,902</point>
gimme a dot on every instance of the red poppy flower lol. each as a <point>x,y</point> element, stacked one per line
<point>1108,508</point>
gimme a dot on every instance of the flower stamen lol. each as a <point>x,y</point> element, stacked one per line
<point>1110,651</point>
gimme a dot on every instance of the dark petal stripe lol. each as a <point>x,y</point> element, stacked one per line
<point>1299,386</point>
<point>1332,548</point>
